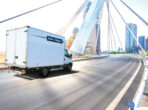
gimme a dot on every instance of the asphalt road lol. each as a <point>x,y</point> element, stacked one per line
<point>92,85</point>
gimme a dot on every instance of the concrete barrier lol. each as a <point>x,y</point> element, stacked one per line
<point>146,87</point>
<point>143,88</point>
<point>146,79</point>
<point>88,57</point>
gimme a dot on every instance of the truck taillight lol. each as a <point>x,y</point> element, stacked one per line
<point>9,68</point>
<point>23,71</point>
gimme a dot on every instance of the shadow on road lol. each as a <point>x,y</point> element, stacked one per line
<point>35,75</point>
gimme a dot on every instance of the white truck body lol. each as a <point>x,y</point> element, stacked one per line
<point>28,47</point>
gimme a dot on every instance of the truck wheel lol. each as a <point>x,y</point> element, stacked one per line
<point>44,72</point>
<point>69,67</point>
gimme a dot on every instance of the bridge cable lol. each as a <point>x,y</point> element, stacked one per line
<point>110,34</point>
<point>113,23</point>
<point>30,11</point>
<point>128,27</point>
<point>111,41</point>
<point>144,21</point>
<point>66,26</point>
<point>111,31</point>
<point>108,38</point>
<point>113,36</point>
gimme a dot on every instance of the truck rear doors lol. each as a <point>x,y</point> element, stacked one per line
<point>16,47</point>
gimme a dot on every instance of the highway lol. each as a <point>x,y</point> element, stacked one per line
<point>92,85</point>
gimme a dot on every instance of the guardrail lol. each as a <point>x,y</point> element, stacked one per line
<point>88,57</point>
<point>143,88</point>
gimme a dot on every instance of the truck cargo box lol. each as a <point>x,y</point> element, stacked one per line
<point>28,47</point>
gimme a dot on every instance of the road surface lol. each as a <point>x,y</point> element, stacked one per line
<point>92,85</point>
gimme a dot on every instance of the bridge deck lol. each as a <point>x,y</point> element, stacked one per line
<point>92,85</point>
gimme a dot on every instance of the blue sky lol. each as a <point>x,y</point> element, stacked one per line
<point>54,17</point>
<point>140,6</point>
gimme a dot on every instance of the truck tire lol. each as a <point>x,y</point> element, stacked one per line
<point>44,72</point>
<point>27,71</point>
<point>68,68</point>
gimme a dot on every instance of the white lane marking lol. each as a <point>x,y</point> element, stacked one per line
<point>116,100</point>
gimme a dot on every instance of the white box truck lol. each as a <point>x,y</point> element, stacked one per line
<point>28,48</point>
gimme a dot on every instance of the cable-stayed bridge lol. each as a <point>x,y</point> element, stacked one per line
<point>102,83</point>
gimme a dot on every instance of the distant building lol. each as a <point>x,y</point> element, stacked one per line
<point>75,30</point>
<point>141,40</point>
<point>130,42</point>
<point>71,39</point>
<point>146,44</point>
<point>119,49</point>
